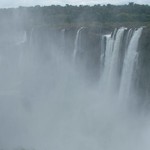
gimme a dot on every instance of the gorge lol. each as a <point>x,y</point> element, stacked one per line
<point>74,87</point>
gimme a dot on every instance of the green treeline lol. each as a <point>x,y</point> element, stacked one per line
<point>76,15</point>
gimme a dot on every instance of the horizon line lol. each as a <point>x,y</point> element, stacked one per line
<point>77,5</point>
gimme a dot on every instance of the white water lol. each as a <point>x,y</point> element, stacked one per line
<point>55,109</point>
<point>129,65</point>
<point>76,43</point>
<point>102,54</point>
<point>113,76</point>
<point>111,61</point>
<point>128,38</point>
<point>110,80</point>
<point>107,60</point>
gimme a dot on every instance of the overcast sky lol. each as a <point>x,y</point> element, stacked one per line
<point>16,3</point>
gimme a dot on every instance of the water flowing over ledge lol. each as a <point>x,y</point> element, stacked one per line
<point>74,89</point>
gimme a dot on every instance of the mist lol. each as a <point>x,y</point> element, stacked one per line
<point>71,88</point>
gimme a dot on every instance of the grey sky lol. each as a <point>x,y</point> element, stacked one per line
<point>16,3</point>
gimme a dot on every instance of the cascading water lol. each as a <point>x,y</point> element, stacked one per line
<point>128,38</point>
<point>107,59</point>
<point>76,43</point>
<point>111,80</point>
<point>56,109</point>
<point>129,65</point>
<point>113,76</point>
<point>102,56</point>
<point>111,61</point>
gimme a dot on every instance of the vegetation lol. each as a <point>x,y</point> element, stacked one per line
<point>107,15</point>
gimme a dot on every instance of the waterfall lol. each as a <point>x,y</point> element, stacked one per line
<point>113,72</point>
<point>76,43</point>
<point>56,101</point>
<point>102,55</point>
<point>117,59</point>
<point>128,38</point>
<point>107,58</point>
<point>129,64</point>
<point>111,61</point>
<point>112,47</point>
